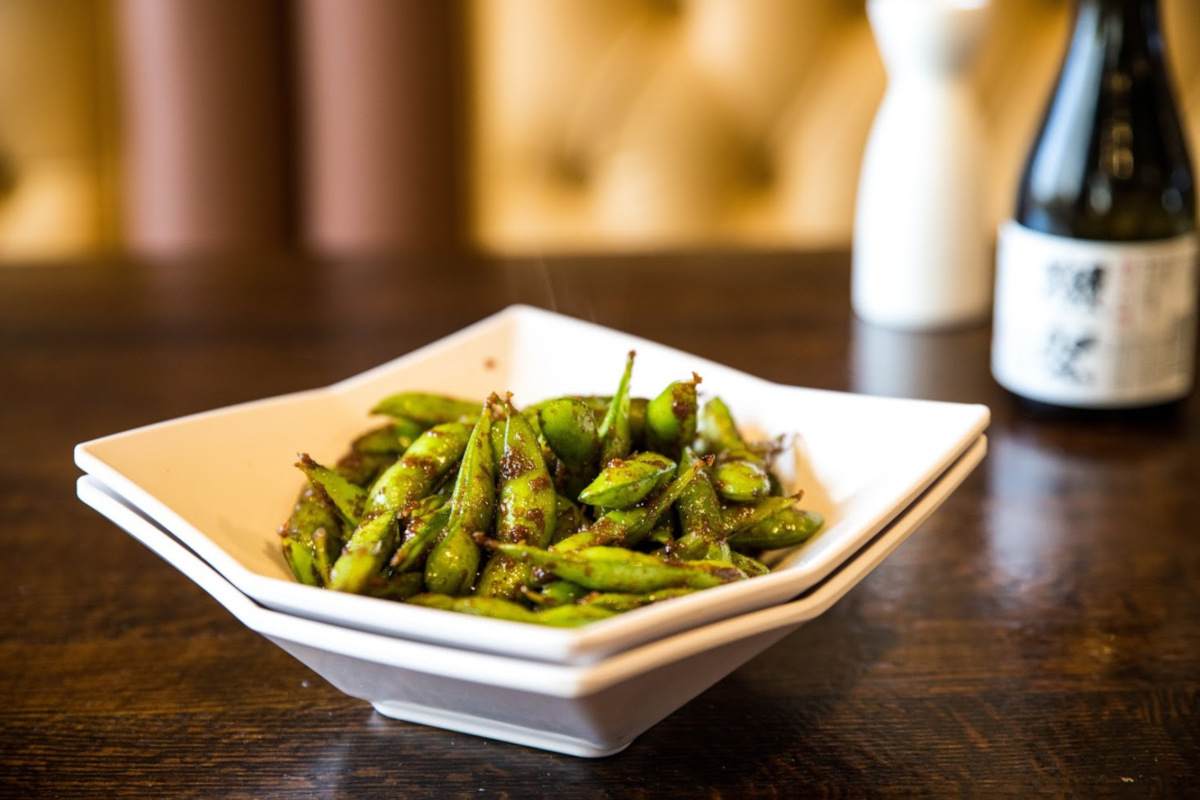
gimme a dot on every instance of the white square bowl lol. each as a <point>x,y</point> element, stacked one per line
<point>222,481</point>
<point>589,710</point>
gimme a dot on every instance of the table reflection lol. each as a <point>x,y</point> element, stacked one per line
<point>942,365</point>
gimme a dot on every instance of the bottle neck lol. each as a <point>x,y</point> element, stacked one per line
<point>1130,24</point>
<point>1111,160</point>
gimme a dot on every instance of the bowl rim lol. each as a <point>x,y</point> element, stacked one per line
<point>538,677</point>
<point>579,645</point>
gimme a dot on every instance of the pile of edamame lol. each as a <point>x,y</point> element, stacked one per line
<point>564,512</point>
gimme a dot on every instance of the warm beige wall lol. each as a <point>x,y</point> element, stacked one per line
<point>648,123</point>
<point>54,136</point>
<point>594,124</point>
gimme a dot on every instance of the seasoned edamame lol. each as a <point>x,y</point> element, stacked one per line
<point>562,513</point>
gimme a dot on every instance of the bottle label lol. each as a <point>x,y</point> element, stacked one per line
<point>1092,324</point>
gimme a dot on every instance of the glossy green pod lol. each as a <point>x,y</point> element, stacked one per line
<point>627,526</point>
<point>786,528</point>
<point>616,440</point>
<point>453,564</point>
<point>348,498</point>
<point>431,457</point>
<point>426,408</point>
<point>617,569</point>
<point>671,418</point>
<point>626,482</point>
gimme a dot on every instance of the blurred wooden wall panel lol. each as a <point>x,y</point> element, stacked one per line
<point>378,135</point>
<point>203,124</point>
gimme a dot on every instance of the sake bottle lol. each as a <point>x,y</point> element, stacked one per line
<point>1096,287</point>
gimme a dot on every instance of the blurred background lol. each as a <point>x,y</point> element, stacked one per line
<point>512,127</point>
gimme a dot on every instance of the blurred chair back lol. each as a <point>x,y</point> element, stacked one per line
<point>635,124</point>
<point>512,126</point>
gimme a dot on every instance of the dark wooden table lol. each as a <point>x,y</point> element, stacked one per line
<point>1040,635</point>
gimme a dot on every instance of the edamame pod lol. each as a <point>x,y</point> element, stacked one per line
<point>738,518</point>
<point>527,509</point>
<point>555,593</point>
<point>422,533</point>
<point>716,429</point>
<point>425,408</point>
<point>628,526</point>
<point>569,428</point>
<point>751,566</point>
<point>569,519</point>
<point>528,506</point>
<point>315,532</point>
<point>786,528</point>
<point>414,474</point>
<point>615,438</point>
<point>364,555</point>
<point>391,439</point>
<point>430,457</point>
<point>739,478</point>
<point>616,569</point>
<point>497,608</point>
<point>395,585</point>
<point>620,602</point>
<point>699,511</point>
<point>311,538</point>
<point>626,482</point>
<point>345,496</point>
<point>453,565</point>
<point>739,474</point>
<point>671,418</point>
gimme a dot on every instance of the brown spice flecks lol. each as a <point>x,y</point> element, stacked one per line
<point>515,463</point>
<point>429,466</point>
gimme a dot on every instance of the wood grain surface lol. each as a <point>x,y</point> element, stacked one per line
<point>1039,636</point>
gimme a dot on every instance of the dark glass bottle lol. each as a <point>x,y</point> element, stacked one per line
<point>1096,288</point>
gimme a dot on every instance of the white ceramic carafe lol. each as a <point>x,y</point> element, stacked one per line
<point>921,257</point>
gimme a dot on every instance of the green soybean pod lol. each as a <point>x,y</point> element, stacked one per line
<point>311,537</point>
<point>498,608</point>
<point>527,509</point>
<point>739,517</point>
<point>430,458</point>
<point>390,585</point>
<point>555,593</point>
<point>739,473</point>
<point>453,565</point>
<point>422,533</point>
<point>616,440</point>
<point>569,428</point>
<point>786,528</point>
<point>699,510</point>
<point>626,482</point>
<point>390,439</point>
<point>569,519</point>
<point>671,418</point>
<point>747,564</point>
<point>716,428</point>
<point>628,526</point>
<point>528,504</point>
<point>348,498</point>
<point>620,602</point>
<point>369,548</point>
<point>425,408</point>
<point>617,569</point>
<point>571,616</point>
<point>740,478</point>
<point>637,423</point>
